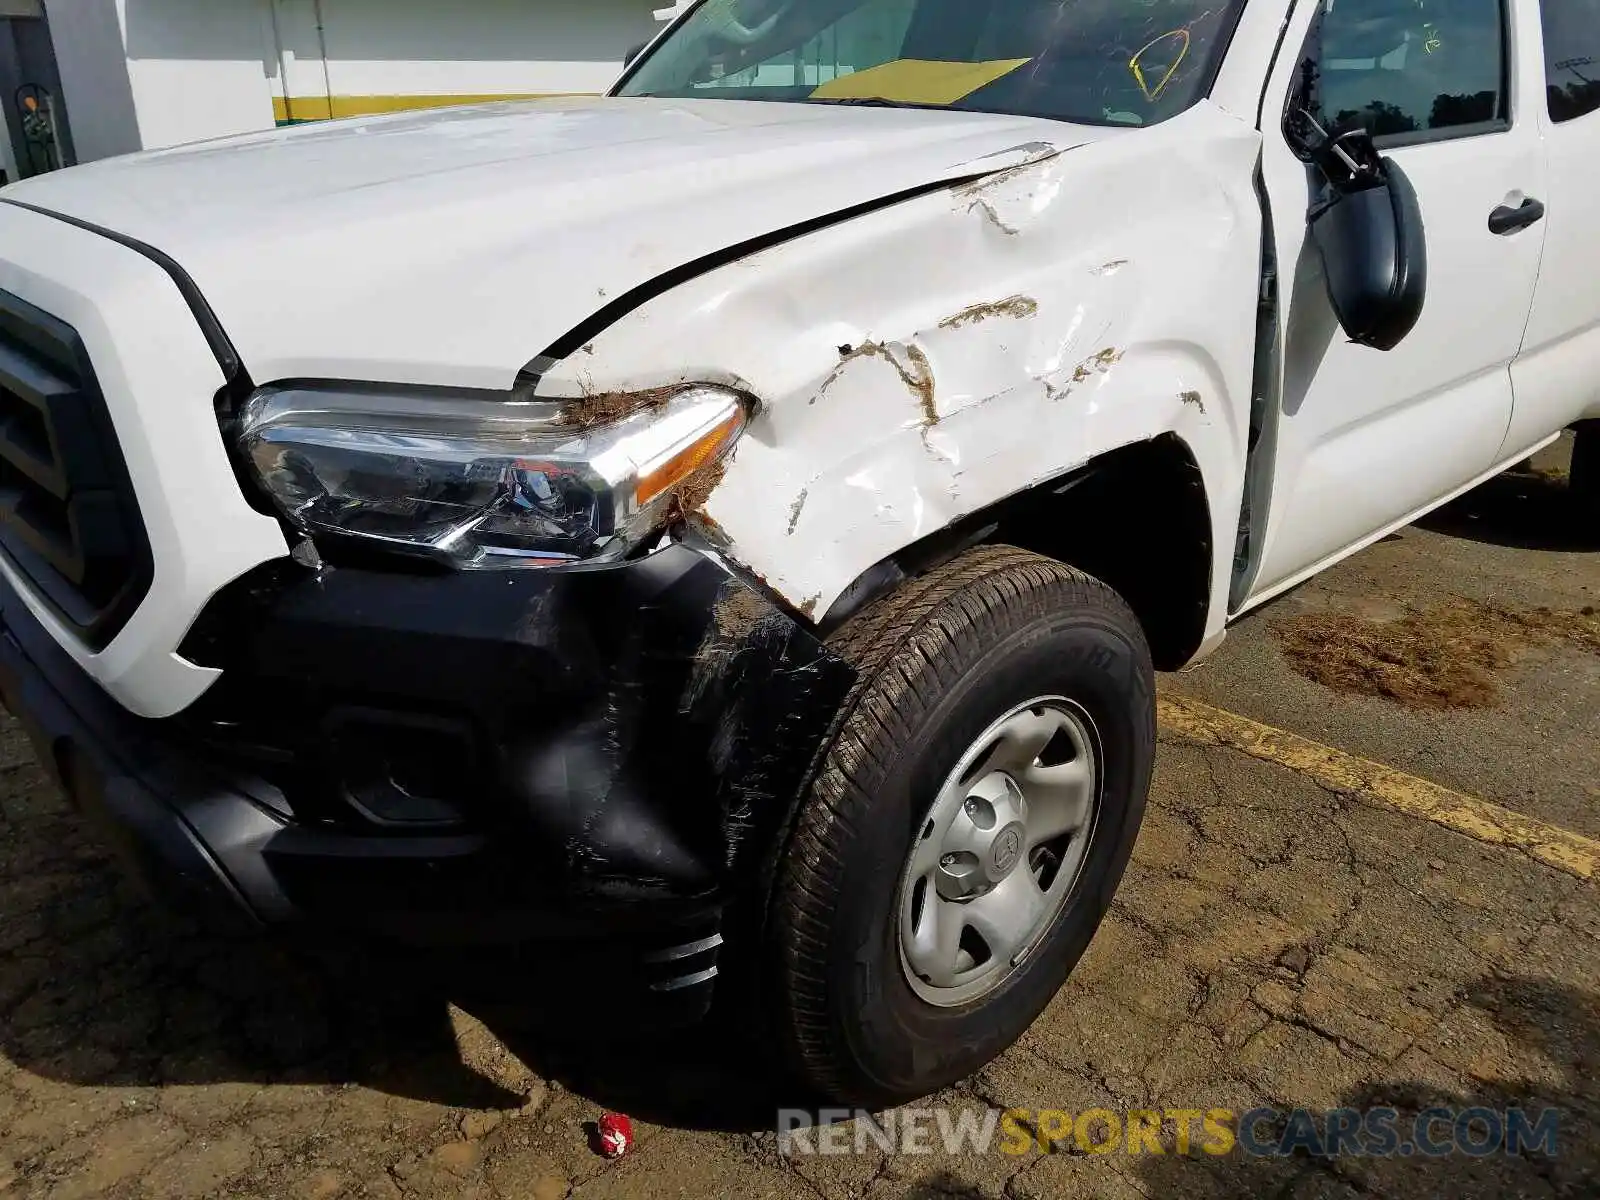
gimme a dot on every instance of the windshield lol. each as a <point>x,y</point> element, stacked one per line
<point>1103,62</point>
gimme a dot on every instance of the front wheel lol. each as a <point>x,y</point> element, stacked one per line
<point>968,825</point>
<point>1585,477</point>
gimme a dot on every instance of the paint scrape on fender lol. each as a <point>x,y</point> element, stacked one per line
<point>1018,308</point>
<point>797,508</point>
<point>1040,152</point>
<point>995,219</point>
<point>1097,364</point>
<point>1015,197</point>
<point>916,372</point>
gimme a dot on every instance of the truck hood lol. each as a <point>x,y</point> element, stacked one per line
<point>452,247</point>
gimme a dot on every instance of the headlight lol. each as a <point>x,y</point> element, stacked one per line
<point>482,483</point>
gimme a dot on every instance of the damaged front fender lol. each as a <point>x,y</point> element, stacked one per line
<point>918,364</point>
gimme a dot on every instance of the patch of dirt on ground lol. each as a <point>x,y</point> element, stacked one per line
<point>1443,658</point>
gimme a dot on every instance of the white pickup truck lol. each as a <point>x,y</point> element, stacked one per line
<point>720,535</point>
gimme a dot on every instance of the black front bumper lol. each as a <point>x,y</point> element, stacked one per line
<point>485,764</point>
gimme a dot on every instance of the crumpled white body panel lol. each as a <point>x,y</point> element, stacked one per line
<point>920,363</point>
<point>449,247</point>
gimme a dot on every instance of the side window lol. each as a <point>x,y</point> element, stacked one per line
<point>1572,57</point>
<point>1408,69</point>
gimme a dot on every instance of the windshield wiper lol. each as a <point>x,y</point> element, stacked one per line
<point>870,102</point>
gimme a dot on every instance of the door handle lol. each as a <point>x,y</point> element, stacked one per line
<point>1506,219</point>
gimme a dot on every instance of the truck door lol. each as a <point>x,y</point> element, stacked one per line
<point>1365,440</point>
<point>1558,376</point>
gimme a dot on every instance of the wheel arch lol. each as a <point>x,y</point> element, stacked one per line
<point>1137,518</point>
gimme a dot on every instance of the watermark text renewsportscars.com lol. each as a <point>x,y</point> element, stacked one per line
<point>1258,1132</point>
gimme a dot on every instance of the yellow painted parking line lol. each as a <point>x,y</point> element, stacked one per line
<point>1395,790</point>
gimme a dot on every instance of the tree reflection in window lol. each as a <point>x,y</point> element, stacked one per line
<point>1579,95</point>
<point>1378,119</point>
<point>1405,67</point>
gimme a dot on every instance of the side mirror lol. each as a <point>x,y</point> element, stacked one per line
<point>1367,226</point>
<point>627,59</point>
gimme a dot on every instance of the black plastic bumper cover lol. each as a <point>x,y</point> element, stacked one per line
<point>621,749</point>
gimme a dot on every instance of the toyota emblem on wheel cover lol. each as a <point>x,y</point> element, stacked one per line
<point>1006,849</point>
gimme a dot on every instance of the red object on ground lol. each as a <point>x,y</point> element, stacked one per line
<point>614,1132</point>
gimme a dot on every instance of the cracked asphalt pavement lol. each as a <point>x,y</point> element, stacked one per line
<point>1275,943</point>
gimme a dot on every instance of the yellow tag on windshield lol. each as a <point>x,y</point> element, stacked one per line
<point>918,81</point>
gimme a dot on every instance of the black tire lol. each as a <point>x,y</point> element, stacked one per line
<point>940,660</point>
<point>1585,476</point>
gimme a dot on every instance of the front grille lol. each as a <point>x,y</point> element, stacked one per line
<point>69,520</point>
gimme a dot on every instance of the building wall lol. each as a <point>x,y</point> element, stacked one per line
<point>87,36</point>
<point>198,68</point>
<point>383,54</point>
<point>144,74</point>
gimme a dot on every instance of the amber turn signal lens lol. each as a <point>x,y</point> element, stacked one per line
<point>682,462</point>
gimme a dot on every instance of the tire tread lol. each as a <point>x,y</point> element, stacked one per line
<point>905,647</point>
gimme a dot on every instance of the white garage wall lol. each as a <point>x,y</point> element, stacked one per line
<point>198,68</point>
<point>479,47</point>
<point>153,73</point>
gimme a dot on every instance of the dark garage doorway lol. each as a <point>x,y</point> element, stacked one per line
<point>30,90</point>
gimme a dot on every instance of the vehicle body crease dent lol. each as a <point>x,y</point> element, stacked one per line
<point>1097,336</point>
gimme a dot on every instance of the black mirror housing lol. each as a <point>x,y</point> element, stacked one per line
<point>1374,257</point>
<point>1366,221</point>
